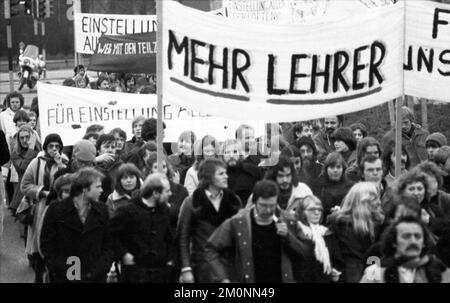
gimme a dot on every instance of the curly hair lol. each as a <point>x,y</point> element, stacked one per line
<point>283,162</point>
<point>7,101</point>
<point>389,239</point>
<point>408,178</point>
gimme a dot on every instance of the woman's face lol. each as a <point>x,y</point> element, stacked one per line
<point>120,141</point>
<point>209,151</point>
<point>137,129</point>
<point>185,146</point>
<point>357,133</point>
<point>313,212</point>
<point>335,172</point>
<point>128,182</point>
<point>155,168</point>
<point>340,146</point>
<point>32,122</point>
<point>415,190</point>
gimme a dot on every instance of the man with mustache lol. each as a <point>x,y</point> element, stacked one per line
<point>323,140</point>
<point>407,257</point>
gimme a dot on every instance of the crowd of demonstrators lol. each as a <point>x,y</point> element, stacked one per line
<point>315,207</point>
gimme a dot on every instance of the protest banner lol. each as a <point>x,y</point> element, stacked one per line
<point>89,27</point>
<point>427,50</point>
<point>128,53</point>
<point>281,73</point>
<point>68,111</point>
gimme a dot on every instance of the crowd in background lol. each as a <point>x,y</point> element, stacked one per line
<point>321,207</point>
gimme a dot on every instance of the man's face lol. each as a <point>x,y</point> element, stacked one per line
<point>372,150</point>
<point>306,152</point>
<point>373,171</point>
<point>284,178</point>
<point>331,123</point>
<point>406,125</point>
<point>297,163</point>
<point>410,240</point>
<point>130,83</point>
<point>120,141</point>
<point>14,104</point>
<point>248,139</point>
<point>155,168</point>
<point>137,128</point>
<point>24,138</point>
<point>403,158</point>
<point>231,154</point>
<point>220,179</point>
<point>307,131</point>
<point>265,208</point>
<point>107,148</point>
<point>432,148</point>
<point>94,191</point>
<point>415,190</point>
<point>53,148</point>
<point>165,193</point>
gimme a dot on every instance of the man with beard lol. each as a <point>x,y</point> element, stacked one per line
<point>291,190</point>
<point>311,167</point>
<point>242,174</point>
<point>407,257</point>
<point>144,241</point>
<point>323,141</point>
<point>413,137</point>
<point>262,245</point>
<point>77,229</point>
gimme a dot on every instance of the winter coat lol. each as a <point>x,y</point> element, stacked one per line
<point>31,185</point>
<point>4,151</point>
<point>438,207</point>
<point>181,164</point>
<point>179,193</point>
<point>243,177</point>
<point>309,270</point>
<point>116,201</point>
<point>64,235</point>
<point>20,162</point>
<point>197,221</point>
<point>145,233</point>
<point>109,182</point>
<point>331,193</point>
<point>235,235</point>
<point>414,145</point>
<point>352,247</point>
<point>324,145</point>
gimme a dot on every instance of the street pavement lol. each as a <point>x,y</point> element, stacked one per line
<point>13,260</point>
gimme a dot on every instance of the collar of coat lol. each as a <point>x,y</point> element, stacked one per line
<point>432,266</point>
<point>116,196</point>
<point>204,209</point>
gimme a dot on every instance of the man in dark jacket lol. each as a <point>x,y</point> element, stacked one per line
<point>323,141</point>
<point>262,245</point>
<point>413,137</point>
<point>75,239</point>
<point>143,237</point>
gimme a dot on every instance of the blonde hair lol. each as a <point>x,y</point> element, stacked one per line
<point>356,208</point>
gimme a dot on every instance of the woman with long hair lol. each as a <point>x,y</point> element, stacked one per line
<point>333,184</point>
<point>356,225</point>
<point>325,265</point>
<point>128,183</point>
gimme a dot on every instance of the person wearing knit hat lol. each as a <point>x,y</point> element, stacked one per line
<point>36,184</point>
<point>433,142</point>
<point>345,144</point>
<point>83,154</point>
<point>413,137</point>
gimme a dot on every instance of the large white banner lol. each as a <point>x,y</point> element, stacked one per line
<point>68,111</point>
<point>427,50</point>
<point>278,73</point>
<point>89,27</point>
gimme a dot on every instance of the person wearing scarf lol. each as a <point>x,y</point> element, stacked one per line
<point>406,256</point>
<point>36,184</point>
<point>322,265</point>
